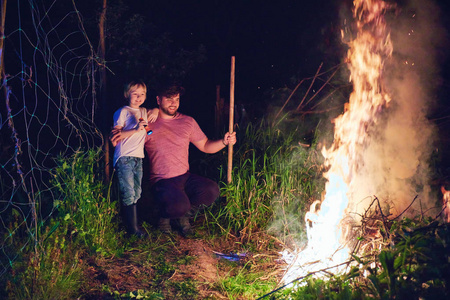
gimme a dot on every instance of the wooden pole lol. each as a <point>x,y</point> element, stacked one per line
<point>2,33</point>
<point>231,121</point>
<point>103,99</point>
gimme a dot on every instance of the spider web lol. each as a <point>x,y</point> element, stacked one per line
<point>47,110</point>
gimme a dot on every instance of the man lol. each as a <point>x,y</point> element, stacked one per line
<point>178,192</point>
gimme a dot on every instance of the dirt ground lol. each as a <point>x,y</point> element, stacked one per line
<point>171,262</point>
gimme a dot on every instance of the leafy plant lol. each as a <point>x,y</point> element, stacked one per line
<point>82,204</point>
<point>414,264</point>
<point>82,222</point>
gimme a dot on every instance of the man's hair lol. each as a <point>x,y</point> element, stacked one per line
<point>132,86</point>
<point>170,90</point>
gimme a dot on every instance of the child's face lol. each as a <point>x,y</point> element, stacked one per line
<point>137,97</point>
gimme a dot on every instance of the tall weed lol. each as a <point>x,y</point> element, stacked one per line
<point>84,202</point>
<point>273,180</point>
<point>51,271</point>
<point>82,221</point>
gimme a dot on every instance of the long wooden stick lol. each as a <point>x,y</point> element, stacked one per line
<point>2,32</point>
<point>103,100</point>
<point>231,121</point>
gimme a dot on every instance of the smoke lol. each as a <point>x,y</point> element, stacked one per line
<point>396,163</point>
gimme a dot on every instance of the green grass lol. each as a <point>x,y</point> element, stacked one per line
<point>245,282</point>
<point>52,272</point>
<point>84,204</point>
<point>83,223</point>
<point>271,171</point>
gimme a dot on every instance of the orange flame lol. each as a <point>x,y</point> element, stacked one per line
<point>366,55</point>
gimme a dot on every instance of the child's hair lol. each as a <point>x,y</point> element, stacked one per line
<point>132,86</point>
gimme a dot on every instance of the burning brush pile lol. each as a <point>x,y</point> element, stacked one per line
<point>390,257</point>
<point>402,236</point>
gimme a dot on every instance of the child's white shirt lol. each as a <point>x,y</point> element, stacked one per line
<point>128,118</point>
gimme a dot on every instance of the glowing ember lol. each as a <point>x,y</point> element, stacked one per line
<point>325,227</point>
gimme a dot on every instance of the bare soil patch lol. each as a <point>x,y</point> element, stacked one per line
<point>169,261</point>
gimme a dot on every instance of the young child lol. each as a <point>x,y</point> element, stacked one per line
<point>129,137</point>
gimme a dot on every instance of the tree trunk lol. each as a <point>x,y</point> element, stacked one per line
<point>2,34</point>
<point>103,105</point>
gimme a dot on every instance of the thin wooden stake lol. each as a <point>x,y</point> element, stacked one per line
<point>103,100</point>
<point>2,33</point>
<point>231,121</point>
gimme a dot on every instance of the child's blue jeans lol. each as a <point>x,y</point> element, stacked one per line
<point>129,175</point>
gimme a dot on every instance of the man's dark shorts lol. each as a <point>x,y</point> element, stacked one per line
<point>175,196</point>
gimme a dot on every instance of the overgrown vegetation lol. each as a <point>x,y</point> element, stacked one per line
<point>275,178</point>
<point>82,223</point>
<point>84,206</point>
<point>412,263</point>
<point>81,251</point>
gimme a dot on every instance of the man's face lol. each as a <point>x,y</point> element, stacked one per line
<point>137,97</point>
<point>169,105</point>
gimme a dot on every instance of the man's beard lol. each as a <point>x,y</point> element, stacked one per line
<point>166,111</point>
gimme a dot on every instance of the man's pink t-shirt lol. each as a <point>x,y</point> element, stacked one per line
<point>168,146</point>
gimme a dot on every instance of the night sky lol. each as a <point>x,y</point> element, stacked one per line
<point>276,44</point>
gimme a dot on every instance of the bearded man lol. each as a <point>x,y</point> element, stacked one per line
<point>177,191</point>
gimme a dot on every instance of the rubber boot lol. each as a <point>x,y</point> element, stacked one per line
<point>130,214</point>
<point>164,225</point>
<point>185,225</point>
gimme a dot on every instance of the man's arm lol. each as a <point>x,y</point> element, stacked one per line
<point>208,146</point>
<point>152,114</point>
<point>117,133</point>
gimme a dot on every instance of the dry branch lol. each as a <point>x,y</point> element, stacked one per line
<point>310,86</point>
<point>314,78</point>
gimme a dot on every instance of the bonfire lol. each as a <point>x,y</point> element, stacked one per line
<point>350,220</point>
